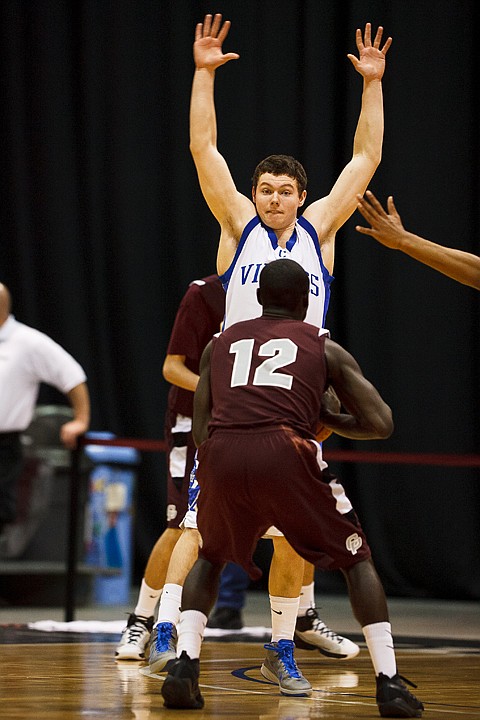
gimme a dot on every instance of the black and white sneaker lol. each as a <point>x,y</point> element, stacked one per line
<point>311,633</point>
<point>135,638</point>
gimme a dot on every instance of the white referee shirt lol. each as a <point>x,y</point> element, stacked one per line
<point>28,357</point>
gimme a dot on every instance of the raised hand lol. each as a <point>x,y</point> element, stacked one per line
<point>371,61</point>
<point>386,227</point>
<point>209,37</point>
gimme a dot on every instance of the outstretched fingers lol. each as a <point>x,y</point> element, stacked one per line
<point>387,44</point>
<point>378,37</point>
<point>369,212</point>
<point>359,40</point>
<point>373,208</point>
<point>224,30</point>
<point>378,40</point>
<point>198,31</point>
<point>217,22</point>
<point>212,27</point>
<point>374,203</point>
<point>367,36</point>
<point>392,210</point>
<point>365,40</point>
<point>207,25</point>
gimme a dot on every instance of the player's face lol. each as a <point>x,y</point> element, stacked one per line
<point>277,200</point>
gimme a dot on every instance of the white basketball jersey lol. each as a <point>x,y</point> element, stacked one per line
<point>257,247</point>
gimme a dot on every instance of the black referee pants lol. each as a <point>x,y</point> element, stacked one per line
<point>11,467</point>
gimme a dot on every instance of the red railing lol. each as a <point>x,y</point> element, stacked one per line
<point>145,445</point>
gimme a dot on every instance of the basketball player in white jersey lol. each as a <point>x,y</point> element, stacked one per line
<point>264,228</point>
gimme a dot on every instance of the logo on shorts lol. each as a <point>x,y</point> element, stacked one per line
<point>171,512</point>
<point>353,543</point>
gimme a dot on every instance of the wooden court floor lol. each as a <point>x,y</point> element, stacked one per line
<point>63,680</point>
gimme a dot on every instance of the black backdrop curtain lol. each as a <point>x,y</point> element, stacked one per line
<point>104,225</point>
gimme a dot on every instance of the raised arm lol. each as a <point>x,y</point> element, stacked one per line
<point>331,212</point>
<point>231,208</point>
<point>367,416</point>
<point>387,228</point>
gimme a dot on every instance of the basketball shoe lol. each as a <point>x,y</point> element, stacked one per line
<point>279,666</point>
<point>135,637</point>
<point>180,687</point>
<point>163,647</point>
<point>394,700</point>
<point>311,633</point>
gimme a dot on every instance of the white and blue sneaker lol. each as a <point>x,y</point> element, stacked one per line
<point>280,667</point>
<point>163,647</point>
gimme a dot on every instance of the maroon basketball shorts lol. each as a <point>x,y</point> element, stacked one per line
<point>253,479</point>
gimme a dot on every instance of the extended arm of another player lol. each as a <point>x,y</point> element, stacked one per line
<point>202,401</point>
<point>79,399</point>
<point>368,417</point>
<point>388,229</point>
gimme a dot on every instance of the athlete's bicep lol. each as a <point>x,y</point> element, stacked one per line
<point>329,213</point>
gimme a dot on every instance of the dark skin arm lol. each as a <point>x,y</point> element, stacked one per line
<point>202,401</point>
<point>388,229</point>
<point>366,416</point>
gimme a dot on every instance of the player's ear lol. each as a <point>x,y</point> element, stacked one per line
<point>253,194</point>
<point>259,296</point>
<point>302,198</point>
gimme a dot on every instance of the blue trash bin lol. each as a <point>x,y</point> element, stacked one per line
<point>109,518</point>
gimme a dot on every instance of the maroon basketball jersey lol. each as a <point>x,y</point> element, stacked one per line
<point>268,371</point>
<point>198,317</point>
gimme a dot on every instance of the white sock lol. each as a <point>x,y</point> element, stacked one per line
<point>147,600</point>
<point>378,637</point>
<point>284,617</point>
<point>307,599</point>
<point>190,633</point>
<point>170,602</point>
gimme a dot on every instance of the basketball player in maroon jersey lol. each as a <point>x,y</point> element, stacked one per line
<point>255,416</point>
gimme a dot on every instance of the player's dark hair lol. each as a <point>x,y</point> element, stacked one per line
<point>283,283</point>
<point>282,165</point>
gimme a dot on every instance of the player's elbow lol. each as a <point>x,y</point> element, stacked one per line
<point>167,371</point>
<point>194,149</point>
<point>376,156</point>
<point>383,423</point>
<point>199,146</point>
